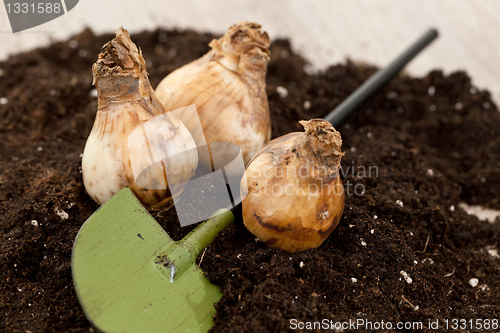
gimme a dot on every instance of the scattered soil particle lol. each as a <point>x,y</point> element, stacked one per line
<point>404,250</point>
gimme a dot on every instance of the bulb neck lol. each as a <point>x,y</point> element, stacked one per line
<point>244,50</point>
<point>120,75</point>
<point>320,147</point>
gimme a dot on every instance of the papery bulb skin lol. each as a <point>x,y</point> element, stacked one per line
<point>126,102</point>
<point>294,194</point>
<point>227,85</point>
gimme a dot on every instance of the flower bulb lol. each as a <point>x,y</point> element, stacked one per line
<point>227,85</point>
<point>293,194</point>
<point>133,134</point>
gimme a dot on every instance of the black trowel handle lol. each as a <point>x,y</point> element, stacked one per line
<point>377,80</point>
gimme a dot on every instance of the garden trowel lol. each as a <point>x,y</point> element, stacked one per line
<point>130,276</point>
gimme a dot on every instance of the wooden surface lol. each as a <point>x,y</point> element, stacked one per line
<point>323,31</point>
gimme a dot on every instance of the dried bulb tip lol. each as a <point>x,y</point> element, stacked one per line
<point>242,38</point>
<point>324,131</point>
<point>249,34</point>
<point>120,55</point>
<point>323,141</point>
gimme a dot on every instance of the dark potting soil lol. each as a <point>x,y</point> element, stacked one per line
<point>404,251</point>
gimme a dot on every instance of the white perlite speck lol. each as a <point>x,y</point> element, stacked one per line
<point>493,252</point>
<point>428,260</point>
<point>431,91</point>
<point>307,105</point>
<point>354,280</point>
<point>34,222</point>
<point>301,264</point>
<point>309,69</point>
<point>484,287</point>
<point>363,242</point>
<point>406,276</point>
<point>61,213</point>
<point>282,91</point>
<point>473,282</point>
<point>399,203</point>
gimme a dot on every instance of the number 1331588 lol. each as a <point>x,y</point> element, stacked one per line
<point>479,324</point>
<point>40,8</point>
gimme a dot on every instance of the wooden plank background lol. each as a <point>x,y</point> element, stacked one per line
<point>325,32</point>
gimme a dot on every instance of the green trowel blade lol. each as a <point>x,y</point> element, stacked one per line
<point>130,276</point>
